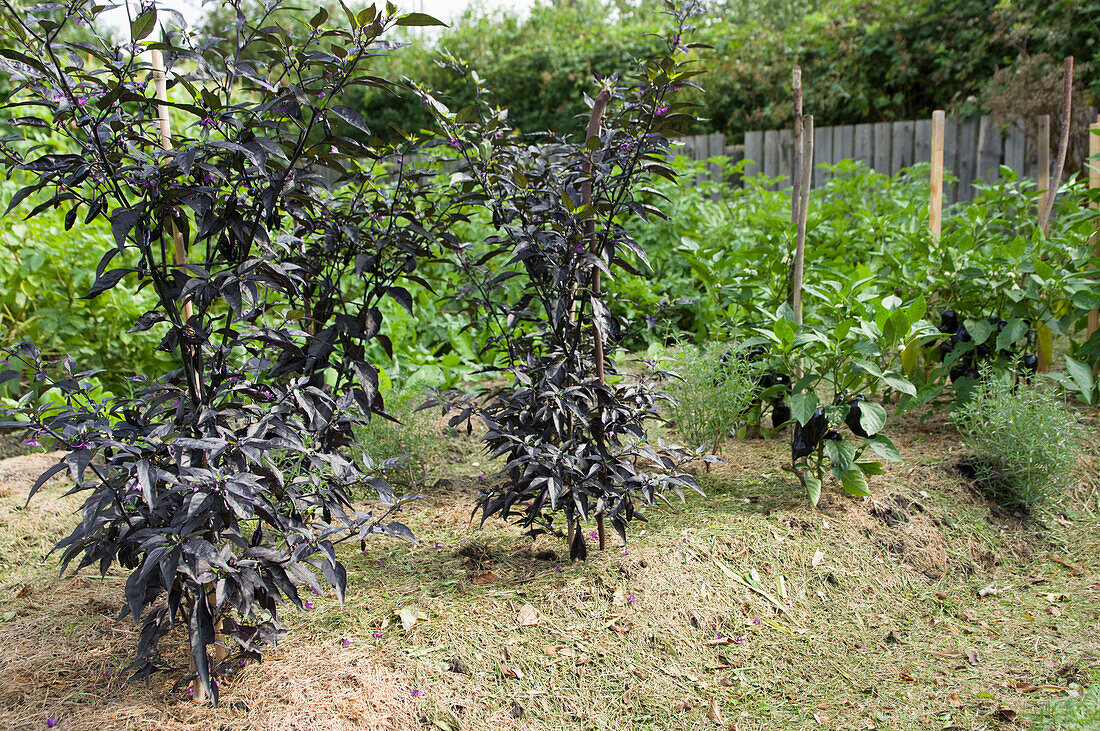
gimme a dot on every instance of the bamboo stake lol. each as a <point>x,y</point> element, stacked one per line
<point>594,121</point>
<point>796,168</point>
<point>1046,337</point>
<point>1042,149</point>
<point>166,143</point>
<point>796,178</point>
<point>1063,145</point>
<point>803,212</point>
<point>1094,183</point>
<point>935,203</point>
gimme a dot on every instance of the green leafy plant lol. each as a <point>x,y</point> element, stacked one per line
<point>1025,440</point>
<point>713,387</point>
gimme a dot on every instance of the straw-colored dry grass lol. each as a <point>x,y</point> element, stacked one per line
<point>922,607</point>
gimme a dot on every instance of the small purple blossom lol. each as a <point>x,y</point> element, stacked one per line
<point>51,722</point>
<point>593,535</point>
<point>438,544</point>
<point>377,633</point>
<point>309,604</point>
<point>739,640</point>
<point>190,691</point>
<point>416,692</point>
<point>32,442</point>
<point>661,110</point>
<point>107,672</point>
<point>321,94</point>
<point>756,620</point>
<point>206,122</point>
<point>626,552</point>
<point>345,642</point>
<point>455,143</point>
<point>632,598</point>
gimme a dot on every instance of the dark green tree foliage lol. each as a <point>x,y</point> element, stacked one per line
<point>221,486</point>
<point>570,426</point>
<point>861,62</point>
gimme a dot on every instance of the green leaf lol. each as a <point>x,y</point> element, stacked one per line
<point>1014,330</point>
<point>144,24</point>
<point>871,468</point>
<point>1082,376</point>
<point>979,330</point>
<point>872,417</point>
<point>813,490</point>
<point>419,19</point>
<point>802,406</point>
<point>916,309</point>
<point>883,447</point>
<point>783,330</point>
<point>841,454</point>
<point>319,19</point>
<point>899,383</point>
<point>855,483</point>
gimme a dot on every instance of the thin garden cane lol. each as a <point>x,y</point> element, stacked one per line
<point>1045,344</point>
<point>179,249</point>
<point>797,267</point>
<point>1094,183</point>
<point>599,106</point>
<point>180,256</point>
<point>797,179</point>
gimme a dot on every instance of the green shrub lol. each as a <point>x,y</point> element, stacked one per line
<point>715,385</point>
<point>1025,440</point>
<point>402,452</point>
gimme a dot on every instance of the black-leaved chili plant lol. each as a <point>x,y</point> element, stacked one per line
<point>221,486</point>
<point>571,426</point>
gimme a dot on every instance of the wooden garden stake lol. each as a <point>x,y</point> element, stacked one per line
<point>797,179</point>
<point>935,203</point>
<point>1042,151</point>
<point>1094,183</point>
<point>1045,341</point>
<point>594,120</point>
<point>166,143</point>
<point>796,168</point>
<point>803,211</point>
<point>1063,148</point>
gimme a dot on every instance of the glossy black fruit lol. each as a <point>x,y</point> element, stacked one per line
<point>781,413</point>
<point>807,437</point>
<point>949,321</point>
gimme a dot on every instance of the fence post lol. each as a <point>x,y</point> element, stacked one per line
<point>935,204</point>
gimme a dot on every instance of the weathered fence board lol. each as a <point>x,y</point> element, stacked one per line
<point>974,150</point>
<point>901,146</point>
<point>883,138</point>
<point>862,149</point>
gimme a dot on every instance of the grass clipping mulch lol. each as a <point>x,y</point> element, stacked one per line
<point>920,607</point>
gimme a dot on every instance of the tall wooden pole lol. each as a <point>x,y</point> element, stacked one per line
<point>1094,183</point>
<point>1063,145</point>
<point>1042,150</point>
<point>935,203</point>
<point>1045,344</point>
<point>794,281</point>
<point>166,143</point>
<point>796,168</point>
<point>803,212</point>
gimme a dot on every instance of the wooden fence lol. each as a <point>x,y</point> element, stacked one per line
<point>974,150</point>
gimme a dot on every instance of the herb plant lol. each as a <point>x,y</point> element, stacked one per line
<point>1025,440</point>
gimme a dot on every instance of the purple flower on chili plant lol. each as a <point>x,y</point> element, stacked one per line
<point>416,692</point>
